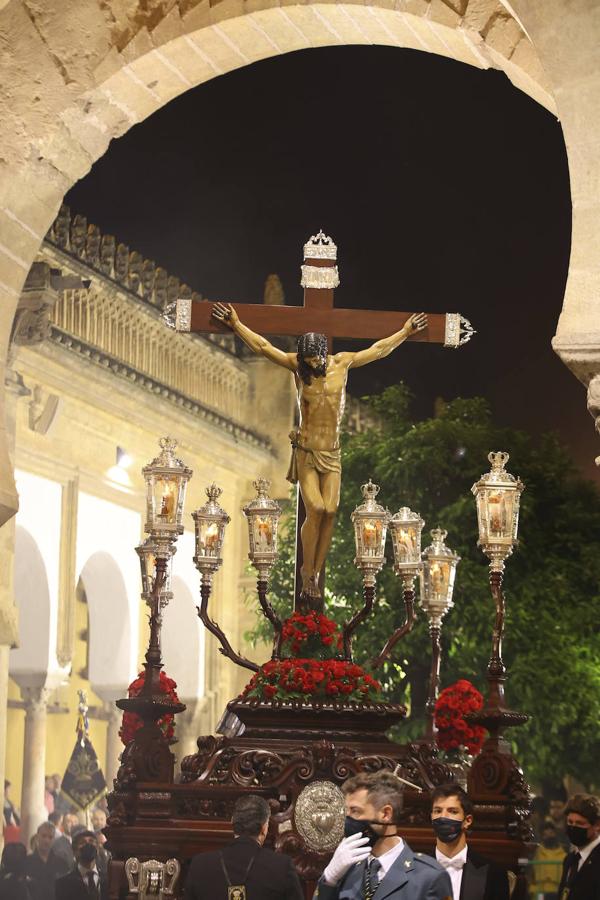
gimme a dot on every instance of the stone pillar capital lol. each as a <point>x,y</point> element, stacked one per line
<point>36,697</point>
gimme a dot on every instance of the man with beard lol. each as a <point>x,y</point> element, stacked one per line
<point>321,387</point>
<point>373,859</point>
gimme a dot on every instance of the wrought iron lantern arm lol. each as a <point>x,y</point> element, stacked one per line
<point>350,627</point>
<point>435,633</point>
<point>153,653</point>
<point>226,649</point>
<point>262,585</point>
<point>403,630</point>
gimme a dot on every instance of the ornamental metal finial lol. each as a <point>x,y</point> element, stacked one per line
<point>261,486</point>
<point>369,490</point>
<point>498,460</point>
<point>167,457</point>
<point>213,492</point>
<point>438,535</point>
<point>320,246</point>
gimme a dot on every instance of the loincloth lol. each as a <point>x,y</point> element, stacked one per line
<point>322,461</point>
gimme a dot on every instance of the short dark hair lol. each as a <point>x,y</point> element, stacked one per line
<point>383,789</point>
<point>586,805</point>
<point>443,791</point>
<point>55,817</point>
<point>249,815</point>
<point>82,835</point>
<point>13,859</point>
<point>311,344</point>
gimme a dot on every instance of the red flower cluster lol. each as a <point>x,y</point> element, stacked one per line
<point>452,705</point>
<point>132,722</point>
<point>311,679</point>
<point>312,635</point>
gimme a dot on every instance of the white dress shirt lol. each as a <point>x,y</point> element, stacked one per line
<point>454,867</point>
<point>84,874</point>
<point>388,858</point>
<point>584,852</point>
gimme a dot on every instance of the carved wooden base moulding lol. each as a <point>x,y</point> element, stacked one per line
<point>297,756</point>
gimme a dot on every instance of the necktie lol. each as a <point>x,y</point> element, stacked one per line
<point>573,867</point>
<point>91,885</point>
<point>371,877</point>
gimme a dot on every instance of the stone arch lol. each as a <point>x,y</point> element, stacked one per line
<point>183,642</point>
<point>79,77</point>
<point>30,661</point>
<point>109,647</point>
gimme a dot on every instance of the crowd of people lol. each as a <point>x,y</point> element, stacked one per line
<point>67,860</point>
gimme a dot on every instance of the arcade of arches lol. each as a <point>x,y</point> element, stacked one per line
<point>73,77</point>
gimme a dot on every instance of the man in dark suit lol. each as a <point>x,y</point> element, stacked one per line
<point>472,876</point>
<point>373,860</point>
<point>42,865</point>
<point>581,868</point>
<point>244,869</point>
<point>85,881</point>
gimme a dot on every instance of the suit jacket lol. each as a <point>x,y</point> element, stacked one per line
<point>63,849</point>
<point>482,879</point>
<point>413,876</point>
<point>45,874</point>
<point>586,884</point>
<point>73,887</point>
<point>272,876</point>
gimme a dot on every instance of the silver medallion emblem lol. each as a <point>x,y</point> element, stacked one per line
<point>319,815</point>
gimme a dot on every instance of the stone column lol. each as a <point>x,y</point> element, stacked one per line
<point>114,747</point>
<point>33,810</point>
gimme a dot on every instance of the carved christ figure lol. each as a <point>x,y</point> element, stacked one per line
<point>316,460</point>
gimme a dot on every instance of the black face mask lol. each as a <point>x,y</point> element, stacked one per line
<point>358,826</point>
<point>550,843</point>
<point>87,853</point>
<point>447,830</point>
<point>578,835</point>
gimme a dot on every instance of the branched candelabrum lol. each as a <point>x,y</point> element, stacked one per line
<point>210,521</point>
<point>166,480</point>
<point>262,514</point>
<point>498,495</point>
<point>370,521</point>
<point>405,528</point>
<point>437,586</point>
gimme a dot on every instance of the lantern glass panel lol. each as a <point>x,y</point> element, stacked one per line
<point>263,533</point>
<point>405,540</point>
<point>209,538</point>
<point>371,533</point>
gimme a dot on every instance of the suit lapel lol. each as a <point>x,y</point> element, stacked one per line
<point>472,885</point>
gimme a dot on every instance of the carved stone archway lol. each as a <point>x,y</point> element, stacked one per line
<point>76,77</point>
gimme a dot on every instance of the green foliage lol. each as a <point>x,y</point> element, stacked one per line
<point>552,581</point>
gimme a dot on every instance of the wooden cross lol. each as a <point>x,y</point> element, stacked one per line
<point>318,314</point>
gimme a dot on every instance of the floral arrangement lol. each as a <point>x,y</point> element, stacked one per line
<point>453,731</point>
<point>132,722</point>
<point>312,635</point>
<point>328,679</point>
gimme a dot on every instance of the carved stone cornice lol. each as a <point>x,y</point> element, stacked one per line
<point>114,365</point>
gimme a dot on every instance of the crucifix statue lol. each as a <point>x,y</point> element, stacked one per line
<point>320,379</point>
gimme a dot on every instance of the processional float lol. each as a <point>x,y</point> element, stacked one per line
<point>307,721</point>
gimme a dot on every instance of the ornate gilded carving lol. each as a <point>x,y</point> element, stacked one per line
<point>319,815</point>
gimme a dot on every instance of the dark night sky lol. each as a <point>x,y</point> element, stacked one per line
<point>444,187</point>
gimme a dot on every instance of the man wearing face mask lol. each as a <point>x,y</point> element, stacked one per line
<point>581,868</point>
<point>85,881</point>
<point>472,876</point>
<point>373,854</point>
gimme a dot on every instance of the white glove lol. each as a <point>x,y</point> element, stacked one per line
<point>348,852</point>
